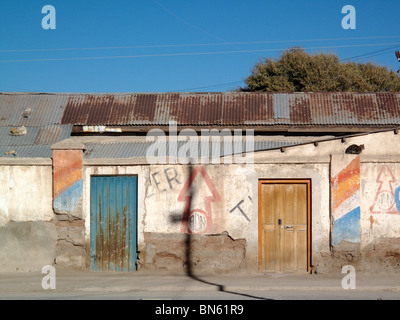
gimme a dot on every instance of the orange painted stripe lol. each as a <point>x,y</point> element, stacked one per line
<point>346,183</point>
<point>337,200</point>
<point>65,179</point>
<point>353,168</point>
<point>60,173</point>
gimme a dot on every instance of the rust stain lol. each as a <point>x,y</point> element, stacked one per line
<point>231,108</point>
<point>371,220</point>
<point>99,239</point>
<point>300,111</point>
<point>112,249</point>
<point>123,246</point>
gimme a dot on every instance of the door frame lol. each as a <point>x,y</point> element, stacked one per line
<point>284,181</point>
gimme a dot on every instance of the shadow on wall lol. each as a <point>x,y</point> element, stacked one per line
<point>189,244</point>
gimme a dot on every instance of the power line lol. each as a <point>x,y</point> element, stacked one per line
<point>194,53</point>
<point>184,21</point>
<point>206,87</point>
<point>373,53</point>
<point>195,44</point>
<point>369,54</point>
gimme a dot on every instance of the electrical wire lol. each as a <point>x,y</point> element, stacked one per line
<point>186,22</point>
<point>207,87</point>
<point>195,44</point>
<point>369,54</point>
<point>196,53</point>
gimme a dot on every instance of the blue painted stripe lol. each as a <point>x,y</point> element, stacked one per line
<point>68,200</point>
<point>347,228</point>
<point>397,198</point>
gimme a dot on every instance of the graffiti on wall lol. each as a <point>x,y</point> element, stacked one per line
<point>164,180</point>
<point>346,201</point>
<point>387,197</point>
<point>198,194</point>
<point>239,208</point>
<point>67,183</point>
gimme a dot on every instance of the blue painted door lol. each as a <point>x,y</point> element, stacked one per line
<point>113,223</point>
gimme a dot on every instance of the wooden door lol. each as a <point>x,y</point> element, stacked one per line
<point>284,217</point>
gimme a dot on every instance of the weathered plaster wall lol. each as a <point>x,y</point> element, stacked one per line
<point>222,199</point>
<point>380,201</point>
<point>380,216</point>
<point>218,204</point>
<point>25,193</point>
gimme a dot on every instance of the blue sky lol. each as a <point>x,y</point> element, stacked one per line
<point>180,46</point>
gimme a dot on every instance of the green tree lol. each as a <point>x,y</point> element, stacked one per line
<point>298,71</point>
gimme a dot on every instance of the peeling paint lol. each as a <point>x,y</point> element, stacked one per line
<point>67,180</point>
<point>346,201</point>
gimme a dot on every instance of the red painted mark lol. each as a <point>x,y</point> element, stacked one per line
<point>67,169</point>
<point>197,215</point>
<point>346,183</point>
<point>384,201</point>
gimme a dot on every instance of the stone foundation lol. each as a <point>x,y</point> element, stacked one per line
<point>71,251</point>
<point>382,255</point>
<point>217,253</point>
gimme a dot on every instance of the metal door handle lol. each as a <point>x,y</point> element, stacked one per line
<point>289,227</point>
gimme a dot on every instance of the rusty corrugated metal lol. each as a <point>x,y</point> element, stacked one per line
<point>236,109</point>
<point>300,110</point>
<point>321,109</point>
<point>202,109</point>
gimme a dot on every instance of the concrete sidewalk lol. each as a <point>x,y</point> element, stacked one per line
<point>91,282</point>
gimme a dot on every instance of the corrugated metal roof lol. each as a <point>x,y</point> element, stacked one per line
<point>35,135</point>
<point>281,106</point>
<point>6,139</point>
<point>235,109</point>
<point>124,150</point>
<point>52,134</point>
<point>31,109</point>
<point>116,150</point>
<point>25,152</point>
<point>35,143</point>
<point>202,109</point>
